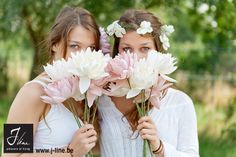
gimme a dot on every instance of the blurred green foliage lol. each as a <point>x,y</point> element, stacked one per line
<point>210,25</point>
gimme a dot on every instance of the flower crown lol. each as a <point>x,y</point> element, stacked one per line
<point>145,27</point>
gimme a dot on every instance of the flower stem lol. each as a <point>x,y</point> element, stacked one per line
<point>139,109</point>
<point>85,112</point>
<point>143,101</point>
<point>145,148</point>
<point>88,115</point>
<point>73,110</point>
<point>95,110</point>
<point>150,149</point>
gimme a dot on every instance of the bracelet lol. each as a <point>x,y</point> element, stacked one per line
<point>159,149</point>
<point>68,147</point>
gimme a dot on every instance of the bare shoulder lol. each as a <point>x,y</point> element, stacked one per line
<point>27,105</point>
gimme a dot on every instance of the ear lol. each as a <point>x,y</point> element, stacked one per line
<point>55,48</point>
<point>58,51</point>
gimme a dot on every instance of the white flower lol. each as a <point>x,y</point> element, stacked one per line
<point>147,70</point>
<point>145,27</point>
<point>166,30</point>
<point>143,76</point>
<point>88,65</point>
<point>116,29</point>
<point>119,91</point>
<point>58,69</point>
<point>165,64</point>
<point>203,8</point>
<point>165,41</point>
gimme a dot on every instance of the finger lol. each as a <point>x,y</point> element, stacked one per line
<point>89,126</point>
<point>149,137</point>
<point>85,128</point>
<point>92,139</point>
<point>89,146</point>
<point>145,119</point>
<point>146,125</point>
<point>90,132</point>
<point>148,131</point>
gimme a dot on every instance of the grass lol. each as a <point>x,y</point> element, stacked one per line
<point>212,141</point>
<point>217,147</point>
<point>210,125</point>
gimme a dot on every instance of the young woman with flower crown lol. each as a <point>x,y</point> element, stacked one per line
<point>172,129</point>
<point>54,125</point>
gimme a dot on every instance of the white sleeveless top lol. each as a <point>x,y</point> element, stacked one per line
<point>175,121</point>
<point>58,128</point>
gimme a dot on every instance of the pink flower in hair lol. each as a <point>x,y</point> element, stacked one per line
<point>104,44</point>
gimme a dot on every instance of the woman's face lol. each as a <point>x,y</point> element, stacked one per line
<point>134,42</point>
<point>79,39</point>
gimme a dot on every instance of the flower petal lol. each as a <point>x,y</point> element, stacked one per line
<point>84,84</point>
<point>168,78</point>
<point>132,93</point>
<point>78,96</point>
<point>90,97</point>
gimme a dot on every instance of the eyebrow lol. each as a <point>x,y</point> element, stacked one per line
<point>146,43</point>
<point>125,44</point>
<point>143,44</point>
<point>74,42</point>
<point>77,42</point>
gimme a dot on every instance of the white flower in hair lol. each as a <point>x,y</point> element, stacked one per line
<point>116,29</point>
<point>166,30</point>
<point>145,27</point>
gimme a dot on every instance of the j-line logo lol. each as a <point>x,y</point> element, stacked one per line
<point>18,138</point>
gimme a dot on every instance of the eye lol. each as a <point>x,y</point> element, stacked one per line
<point>127,49</point>
<point>93,47</point>
<point>74,46</point>
<point>145,49</point>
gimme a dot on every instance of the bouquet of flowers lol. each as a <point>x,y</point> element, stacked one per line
<point>81,77</point>
<point>144,80</point>
<point>88,74</point>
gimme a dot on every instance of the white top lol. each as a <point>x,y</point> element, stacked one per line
<point>175,121</point>
<point>58,128</point>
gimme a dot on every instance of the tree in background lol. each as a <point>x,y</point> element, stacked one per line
<point>208,22</point>
<point>29,20</point>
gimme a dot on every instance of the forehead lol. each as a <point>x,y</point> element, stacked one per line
<point>82,35</point>
<point>133,38</point>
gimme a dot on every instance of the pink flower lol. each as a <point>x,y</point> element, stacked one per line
<point>119,69</point>
<point>95,90</point>
<point>104,43</point>
<point>58,91</point>
<point>121,66</point>
<point>157,91</point>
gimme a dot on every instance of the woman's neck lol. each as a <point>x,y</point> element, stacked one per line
<point>123,105</point>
